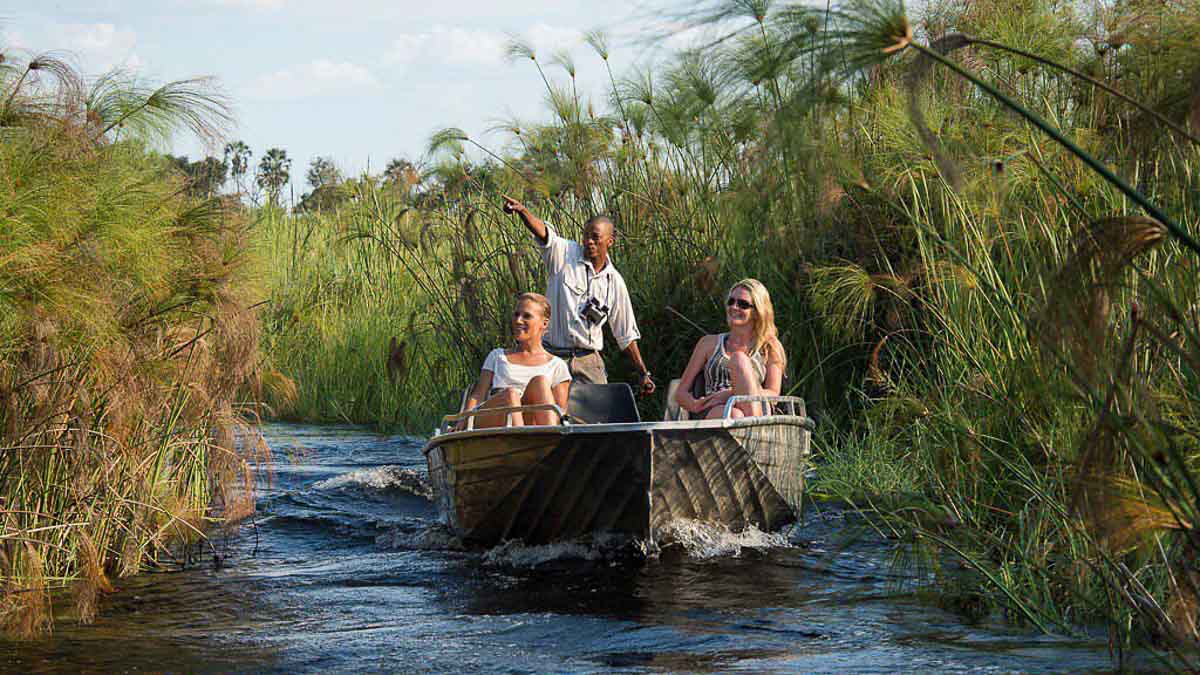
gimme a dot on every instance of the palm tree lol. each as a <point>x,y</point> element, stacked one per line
<point>402,174</point>
<point>322,172</point>
<point>274,171</point>
<point>237,156</point>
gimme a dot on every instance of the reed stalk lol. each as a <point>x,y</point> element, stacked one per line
<point>126,341</point>
<point>966,345</point>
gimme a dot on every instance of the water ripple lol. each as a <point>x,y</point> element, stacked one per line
<point>348,568</point>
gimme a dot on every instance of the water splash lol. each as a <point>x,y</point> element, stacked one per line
<point>599,547</point>
<point>704,540</point>
<point>381,478</point>
<point>431,537</point>
<point>700,540</point>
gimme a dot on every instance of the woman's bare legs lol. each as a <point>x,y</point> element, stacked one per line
<point>508,398</point>
<point>718,411</point>
<point>538,392</point>
<point>745,383</point>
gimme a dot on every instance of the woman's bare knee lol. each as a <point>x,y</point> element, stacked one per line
<point>538,391</point>
<point>506,398</point>
<point>740,366</point>
<point>742,377</point>
<point>719,412</point>
<point>747,410</point>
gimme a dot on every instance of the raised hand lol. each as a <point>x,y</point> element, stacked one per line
<point>532,222</point>
<point>513,206</point>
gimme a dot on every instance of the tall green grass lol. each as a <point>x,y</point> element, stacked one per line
<point>347,329</point>
<point>983,264</point>
<point>126,337</point>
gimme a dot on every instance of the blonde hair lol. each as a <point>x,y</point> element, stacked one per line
<point>537,299</point>
<point>766,335</point>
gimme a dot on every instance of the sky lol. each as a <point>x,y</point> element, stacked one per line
<point>359,81</point>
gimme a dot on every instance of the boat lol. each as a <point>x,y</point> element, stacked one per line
<point>602,470</point>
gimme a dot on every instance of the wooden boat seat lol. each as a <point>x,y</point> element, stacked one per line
<point>602,403</point>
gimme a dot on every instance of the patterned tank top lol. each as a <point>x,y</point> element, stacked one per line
<point>716,371</point>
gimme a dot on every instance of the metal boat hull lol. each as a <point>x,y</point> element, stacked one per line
<point>545,484</point>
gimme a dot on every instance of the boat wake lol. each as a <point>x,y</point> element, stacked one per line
<point>600,547</point>
<point>702,540</point>
<point>429,537</point>
<point>380,479</point>
<point>698,540</point>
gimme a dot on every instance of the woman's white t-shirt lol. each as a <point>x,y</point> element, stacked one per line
<point>509,375</point>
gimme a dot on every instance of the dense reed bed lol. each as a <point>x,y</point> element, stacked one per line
<point>348,330</point>
<point>126,335</point>
<point>983,259</point>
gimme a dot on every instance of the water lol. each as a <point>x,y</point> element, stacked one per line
<point>347,570</point>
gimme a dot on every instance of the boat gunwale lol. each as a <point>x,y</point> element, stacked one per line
<point>563,430</point>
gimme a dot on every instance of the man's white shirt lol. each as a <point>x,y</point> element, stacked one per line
<point>570,282</point>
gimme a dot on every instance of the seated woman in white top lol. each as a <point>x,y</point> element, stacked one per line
<point>526,374</point>
<point>746,361</point>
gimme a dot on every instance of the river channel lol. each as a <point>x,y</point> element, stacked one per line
<point>346,569</point>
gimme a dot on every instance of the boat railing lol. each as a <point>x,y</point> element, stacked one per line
<point>794,405</point>
<point>448,422</point>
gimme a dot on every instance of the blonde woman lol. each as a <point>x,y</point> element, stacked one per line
<point>746,360</point>
<point>525,375</point>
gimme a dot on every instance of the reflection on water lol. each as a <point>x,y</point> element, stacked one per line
<point>346,568</point>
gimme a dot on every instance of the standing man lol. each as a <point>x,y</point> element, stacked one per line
<point>586,292</point>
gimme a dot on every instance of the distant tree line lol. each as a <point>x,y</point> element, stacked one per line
<point>263,183</point>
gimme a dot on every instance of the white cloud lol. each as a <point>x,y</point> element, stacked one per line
<point>474,47</point>
<point>547,38</point>
<point>317,78</point>
<point>445,44</point>
<point>99,46</point>
<point>11,39</point>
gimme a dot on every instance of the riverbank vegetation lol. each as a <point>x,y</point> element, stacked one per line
<point>978,224</point>
<point>348,330</point>
<point>127,338</point>
<point>979,228</point>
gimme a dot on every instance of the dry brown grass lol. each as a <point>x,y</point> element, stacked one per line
<point>1076,314</point>
<point>127,340</point>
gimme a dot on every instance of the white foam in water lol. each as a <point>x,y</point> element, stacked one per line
<point>699,539</point>
<point>380,478</point>
<point>516,554</point>
<point>435,537</point>
<point>709,540</point>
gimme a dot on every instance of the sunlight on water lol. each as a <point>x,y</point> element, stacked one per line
<point>699,540</point>
<point>347,566</point>
<point>380,478</point>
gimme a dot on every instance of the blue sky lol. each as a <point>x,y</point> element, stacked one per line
<point>357,80</point>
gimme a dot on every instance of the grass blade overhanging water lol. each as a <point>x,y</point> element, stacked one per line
<point>907,296</point>
<point>127,340</point>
